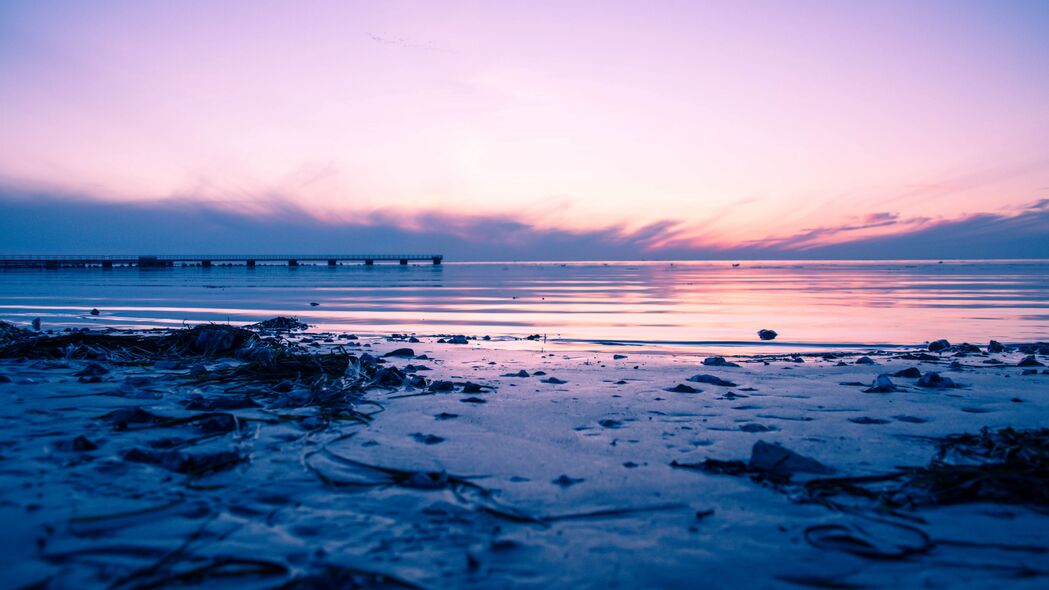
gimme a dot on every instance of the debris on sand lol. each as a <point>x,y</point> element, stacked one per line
<point>1007,466</point>
<point>766,334</point>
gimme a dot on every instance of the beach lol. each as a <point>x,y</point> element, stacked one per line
<point>276,458</point>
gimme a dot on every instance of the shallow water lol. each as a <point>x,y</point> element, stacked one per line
<point>679,304</point>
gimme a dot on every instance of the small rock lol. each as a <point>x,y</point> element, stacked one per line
<point>782,461</point>
<point>610,423</point>
<point>459,339</point>
<point>755,427</point>
<point>314,304</point>
<point>718,361</point>
<point>427,439</point>
<point>711,380</point>
<point>881,384</point>
<point>935,381</point>
<point>908,373</point>
<point>36,324</point>
<point>682,388</point>
<point>867,420</point>
<point>400,352</point>
<point>1029,361</point>
<point>864,360</point>
<point>995,346</point>
<point>767,334</point>
<point>521,373</point>
<point>94,312</point>
<point>939,345</point>
<point>565,481</point>
<point>554,381</point>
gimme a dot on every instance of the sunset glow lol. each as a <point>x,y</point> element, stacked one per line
<point>727,125</point>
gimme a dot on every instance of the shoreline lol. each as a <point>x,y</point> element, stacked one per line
<point>449,468</point>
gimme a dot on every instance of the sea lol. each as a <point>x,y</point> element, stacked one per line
<point>660,305</point>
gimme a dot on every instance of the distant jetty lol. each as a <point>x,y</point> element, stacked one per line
<point>205,260</point>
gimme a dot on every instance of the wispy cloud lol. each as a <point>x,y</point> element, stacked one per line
<point>37,222</point>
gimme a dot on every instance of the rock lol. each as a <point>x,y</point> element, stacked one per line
<point>682,388</point>
<point>718,361</point>
<point>554,381</point>
<point>474,400</point>
<point>617,357</point>
<point>521,373</point>
<point>1029,361</point>
<point>939,345</point>
<point>934,380</point>
<point>471,387</point>
<point>36,324</point>
<point>427,439</point>
<point>82,444</point>
<point>459,339</point>
<point>864,360</point>
<point>278,324</point>
<point>400,352</point>
<point>445,416</point>
<point>314,304</point>
<point>442,386</point>
<point>712,380</point>
<point>413,340</point>
<point>767,334</point>
<point>610,423</point>
<point>94,312</point>
<point>995,346</point>
<point>881,384</point>
<point>908,373</point>
<point>1027,372</point>
<point>781,461</point>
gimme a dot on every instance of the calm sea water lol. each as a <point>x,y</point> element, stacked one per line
<point>680,304</point>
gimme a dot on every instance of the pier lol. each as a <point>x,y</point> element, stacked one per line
<point>206,260</point>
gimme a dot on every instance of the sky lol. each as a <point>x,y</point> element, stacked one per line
<point>527,130</point>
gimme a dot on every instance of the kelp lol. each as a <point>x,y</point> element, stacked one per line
<point>1007,466</point>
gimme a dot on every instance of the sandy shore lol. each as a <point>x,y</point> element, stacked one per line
<point>587,470</point>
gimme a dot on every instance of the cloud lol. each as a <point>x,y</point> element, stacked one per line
<point>40,222</point>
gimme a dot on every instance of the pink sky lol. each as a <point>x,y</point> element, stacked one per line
<point>739,121</point>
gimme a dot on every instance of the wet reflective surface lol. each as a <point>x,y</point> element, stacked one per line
<point>669,304</point>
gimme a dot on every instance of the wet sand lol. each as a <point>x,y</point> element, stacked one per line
<point>584,473</point>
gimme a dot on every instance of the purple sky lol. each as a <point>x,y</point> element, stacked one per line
<point>676,128</point>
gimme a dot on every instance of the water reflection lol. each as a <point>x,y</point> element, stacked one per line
<point>681,302</point>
